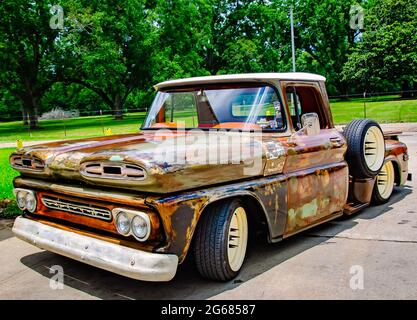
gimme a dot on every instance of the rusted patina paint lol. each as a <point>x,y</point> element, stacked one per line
<point>303,152</point>
<point>318,175</point>
<point>72,188</point>
<point>360,190</point>
<point>397,152</point>
<point>304,180</point>
<point>64,160</point>
<point>314,195</point>
<point>394,147</point>
<point>180,213</point>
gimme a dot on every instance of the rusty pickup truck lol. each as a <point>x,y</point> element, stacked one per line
<point>217,161</point>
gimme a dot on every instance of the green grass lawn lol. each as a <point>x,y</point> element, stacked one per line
<point>71,128</point>
<point>7,174</point>
<point>382,109</point>
<point>6,186</point>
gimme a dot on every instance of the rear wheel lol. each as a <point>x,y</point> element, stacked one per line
<point>221,240</point>
<point>384,184</point>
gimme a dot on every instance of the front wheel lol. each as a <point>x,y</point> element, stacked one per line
<point>221,240</point>
<point>384,184</point>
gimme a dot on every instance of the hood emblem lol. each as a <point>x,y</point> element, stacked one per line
<point>116,158</point>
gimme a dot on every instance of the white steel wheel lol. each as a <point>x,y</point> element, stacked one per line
<point>221,239</point>
<point>374,143</point>
<point>365,152</point>
<point>384,183</point>
<point>237,239</point>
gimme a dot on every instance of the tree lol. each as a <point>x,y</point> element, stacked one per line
<point>323,38</point>
<point>387,50</point>
<point>10,106</point>
<point>248,36</point>
<point>184,33</point>
<point>111,44</point>
<point>254,35</point>
<point>30,59</point>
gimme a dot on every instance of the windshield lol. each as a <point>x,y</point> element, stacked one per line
<point>230,107</point>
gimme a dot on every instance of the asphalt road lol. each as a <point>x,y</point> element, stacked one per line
<point>370,255</point>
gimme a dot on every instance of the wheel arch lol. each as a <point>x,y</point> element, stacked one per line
<point>256,212</point>
<point>397,169</point>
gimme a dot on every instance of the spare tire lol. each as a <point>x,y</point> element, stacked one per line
<point>366,148</point>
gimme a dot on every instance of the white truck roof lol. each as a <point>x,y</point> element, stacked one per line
<point>241,77</point>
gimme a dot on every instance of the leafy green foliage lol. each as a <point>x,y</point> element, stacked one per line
<point>324,36</point>
<point>110,53</point>
<point>387,50</point>
<point>31,60</point>
<point>7,173</point>
<point>111,45</point>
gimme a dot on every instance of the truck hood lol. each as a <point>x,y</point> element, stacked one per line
<point>167,161</point>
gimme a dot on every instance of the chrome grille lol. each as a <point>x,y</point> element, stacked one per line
<point>77,208</point>
<point>25,162</point>
<point>120,171</point>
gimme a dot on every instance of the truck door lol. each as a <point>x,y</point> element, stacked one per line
<point>315,166</point>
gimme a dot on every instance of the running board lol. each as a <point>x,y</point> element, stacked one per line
<point>351,208</point>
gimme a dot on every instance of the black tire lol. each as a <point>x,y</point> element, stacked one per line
<point>211,241</point>
<point>378,197</point>
<point>355,133</point>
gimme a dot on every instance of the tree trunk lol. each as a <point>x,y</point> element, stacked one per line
<point>31,107</point>
<point>405,89</point>
<point>342,89</point>
<point>117,108</point>
<point>33,118</point>
<point>415,89</point>
<point>25,117</point>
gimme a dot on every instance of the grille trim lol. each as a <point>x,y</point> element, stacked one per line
<point>56,203</point>
<point>27,163</point>
<point>117,171</point>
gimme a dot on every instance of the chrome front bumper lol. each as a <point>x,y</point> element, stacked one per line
<point>119,259</point>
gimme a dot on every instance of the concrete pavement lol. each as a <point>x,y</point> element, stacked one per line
<point>380,241</point>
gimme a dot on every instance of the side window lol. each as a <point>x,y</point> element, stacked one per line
<point>294,104</point>
<point>301,100</point>
<point>293,101</point>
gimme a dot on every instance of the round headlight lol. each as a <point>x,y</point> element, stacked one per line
<point>123,223</point>
<point>21,199</point>
<point>140,227</point>
<point>30,202</point>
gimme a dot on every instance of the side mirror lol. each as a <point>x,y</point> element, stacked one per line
<point>310,123</point>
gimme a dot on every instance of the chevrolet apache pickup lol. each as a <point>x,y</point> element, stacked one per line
<point>218,160</point>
